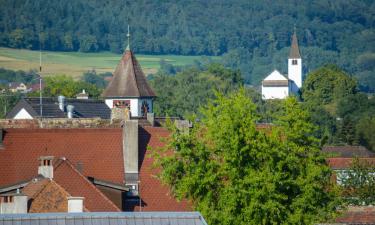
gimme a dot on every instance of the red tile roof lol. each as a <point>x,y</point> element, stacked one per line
<point>156,197</point>
<point>99,151</point>
<point>358,215</point>
<point>347,151</point>
<point>344,163</point>
<point>79,186</point>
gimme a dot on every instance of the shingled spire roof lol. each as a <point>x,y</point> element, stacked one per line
<point>294,49</point>
<point>128,79</point>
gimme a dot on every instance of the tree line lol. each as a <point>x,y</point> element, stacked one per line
<point>253,36</point>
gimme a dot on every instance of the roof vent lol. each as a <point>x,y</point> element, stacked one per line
<point>70,110</point>
<point>61,100</point>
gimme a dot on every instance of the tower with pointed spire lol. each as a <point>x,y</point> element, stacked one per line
<point>129,87</point>
<point>295,64</point>
<point>278,86</point>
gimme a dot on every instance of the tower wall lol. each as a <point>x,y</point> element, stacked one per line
<point>295,73</point>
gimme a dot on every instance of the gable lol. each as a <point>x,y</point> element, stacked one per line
<point>23,114</point>
<point>275,76</point>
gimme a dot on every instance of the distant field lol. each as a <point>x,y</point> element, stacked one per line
<point>76,63</point>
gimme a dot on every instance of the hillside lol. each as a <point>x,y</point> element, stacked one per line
<point>251,35</point>
<point>76,63</point>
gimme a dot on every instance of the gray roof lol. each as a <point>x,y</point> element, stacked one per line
<point>128,80</point>
<point>294,49</point>
<point>102,218</point>
<point>83,108</point>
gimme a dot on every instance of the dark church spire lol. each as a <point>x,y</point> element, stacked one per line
<point>294,49</point>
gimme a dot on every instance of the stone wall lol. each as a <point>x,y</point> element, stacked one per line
<point>60,123</point>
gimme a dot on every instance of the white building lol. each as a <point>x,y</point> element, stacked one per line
<point>278,86</point>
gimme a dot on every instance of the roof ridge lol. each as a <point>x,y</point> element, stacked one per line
<point>90,184</point>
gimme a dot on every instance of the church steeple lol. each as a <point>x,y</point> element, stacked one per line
<point>294,49</point>
<point>295,64</point>
<point>129,87</point>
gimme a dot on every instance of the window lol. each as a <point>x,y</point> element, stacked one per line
<point>294,62</point>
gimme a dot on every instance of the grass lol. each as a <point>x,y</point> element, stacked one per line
<point>76,63</point>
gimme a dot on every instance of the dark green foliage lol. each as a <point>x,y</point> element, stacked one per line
<point>7,76</point>
<point>97,79</point>
<point>190,89</point>
<point>7,101</point>
<point>254,36</point>
<point>337,108</point>
<point>359,183</point>
<point>236,174</point>
<point>66,86</point>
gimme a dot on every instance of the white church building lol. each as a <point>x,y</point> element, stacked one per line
<point>278,86</point>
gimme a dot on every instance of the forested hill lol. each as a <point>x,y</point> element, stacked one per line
<point>252,35</point>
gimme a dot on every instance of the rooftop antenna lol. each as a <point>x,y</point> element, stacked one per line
<point>128,36</point>
<point>40,78</point>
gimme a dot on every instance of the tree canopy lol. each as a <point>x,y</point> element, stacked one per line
<point>234,173</point>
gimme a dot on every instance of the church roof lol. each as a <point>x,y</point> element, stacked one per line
<point>275,75</point>
<point>294,49</point>
<point>128,79</point>
<point>275,79</point>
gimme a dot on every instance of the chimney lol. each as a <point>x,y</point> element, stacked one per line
<point>130,154</point>
<point>13,203</point>
<point>83,95</point>
<point>45,166</point>
<point>75,204</point>
<point>61,100</point>
<point>70,110</point>
<point>151,118</point>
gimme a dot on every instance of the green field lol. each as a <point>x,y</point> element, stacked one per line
<point>76,63</point>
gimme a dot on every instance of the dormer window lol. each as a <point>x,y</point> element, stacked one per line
<point>294,62</point>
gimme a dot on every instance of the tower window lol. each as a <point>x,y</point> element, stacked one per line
<point>121,104</point>
<point>294,62</point>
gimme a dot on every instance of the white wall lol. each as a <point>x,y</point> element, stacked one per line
<point>135,105</point>
<point>275,92</point>
<point>295,72</point>
<point>75,204</point>
<point>19,205</point>
<point>22,114</point>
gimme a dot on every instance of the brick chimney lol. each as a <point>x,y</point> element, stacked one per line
<point>130,154</point>
<point>45,166</point>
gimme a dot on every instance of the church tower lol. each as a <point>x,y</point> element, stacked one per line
<point>128,87</point>
<point>295,65</point>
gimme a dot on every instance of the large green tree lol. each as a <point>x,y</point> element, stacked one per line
<point>234,173</point>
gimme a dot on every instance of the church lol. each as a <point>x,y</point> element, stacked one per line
<point>279,86</point>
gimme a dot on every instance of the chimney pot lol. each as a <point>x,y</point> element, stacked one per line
<point>70,110</point>
<point>45,166</point>
<point>61,100</point>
